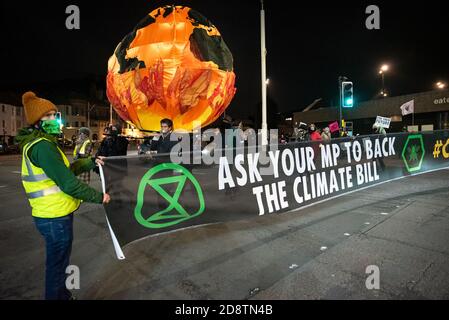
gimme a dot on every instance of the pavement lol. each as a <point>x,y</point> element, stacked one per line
<point>321,252</point>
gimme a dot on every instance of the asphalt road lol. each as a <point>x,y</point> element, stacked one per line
<point>321,252</point>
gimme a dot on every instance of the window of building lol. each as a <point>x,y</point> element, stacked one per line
<point>76,124</point>
<point>83,124</point>
<point>4,124</point>
<point>3,108</point>
<point>68,124</point>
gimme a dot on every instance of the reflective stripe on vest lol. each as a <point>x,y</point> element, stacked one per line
<point>46,198</point>
<point>44,192</point>
<point>35,178</point>
<point>31,177</point>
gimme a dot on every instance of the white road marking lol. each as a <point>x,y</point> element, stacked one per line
<point>293,266</point>
<point>367,223</point>
<point>384,213</point>
<point>347,234</point>
<point>16,172</point>
<point>364,188</point>
<point>323,248</point>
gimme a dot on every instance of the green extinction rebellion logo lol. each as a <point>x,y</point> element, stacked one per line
<point>413,153</point>
<point>175,212</point>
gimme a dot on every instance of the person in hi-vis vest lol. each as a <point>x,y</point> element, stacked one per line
<point>52,189</point>
<point>83,149</point>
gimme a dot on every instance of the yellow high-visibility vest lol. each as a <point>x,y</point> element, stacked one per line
<point>82,150</point>
<point>45,197</point>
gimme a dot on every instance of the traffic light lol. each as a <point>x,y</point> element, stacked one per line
<point>347,94</point>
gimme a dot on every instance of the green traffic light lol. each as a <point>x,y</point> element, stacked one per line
<point>347,94</point>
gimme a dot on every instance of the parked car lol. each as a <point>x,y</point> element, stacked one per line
<point>65,143</point>
<point>8,145</point>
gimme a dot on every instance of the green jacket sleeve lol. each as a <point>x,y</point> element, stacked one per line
<point>46,156</point>
<point>82,165</point>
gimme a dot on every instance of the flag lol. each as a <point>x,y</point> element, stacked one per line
<point>408,107</point>
<point>333,127</point>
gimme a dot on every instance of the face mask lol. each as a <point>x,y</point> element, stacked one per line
<point>51,126</point>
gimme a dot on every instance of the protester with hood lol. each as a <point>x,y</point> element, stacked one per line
<point>52,189</point>
<point>114,144</point>
<point>83,149</point>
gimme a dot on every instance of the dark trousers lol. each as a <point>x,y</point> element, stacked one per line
<point>58,235</point>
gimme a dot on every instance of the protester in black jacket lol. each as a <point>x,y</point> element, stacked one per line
<point>114,144</point>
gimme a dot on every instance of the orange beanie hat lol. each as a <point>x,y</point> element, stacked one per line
<point>36,108</point>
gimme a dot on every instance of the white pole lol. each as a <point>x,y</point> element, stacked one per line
<point>110,113</point>
<point>263,53</point>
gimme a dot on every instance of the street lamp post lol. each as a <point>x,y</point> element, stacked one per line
<point>383,83</point>
<point>89,109</point>
<point>382,72</point>
<point>110,114</point>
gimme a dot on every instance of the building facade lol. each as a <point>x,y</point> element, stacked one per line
<point>74,116</point>
<point>12,119</point>
<point>81,113</point>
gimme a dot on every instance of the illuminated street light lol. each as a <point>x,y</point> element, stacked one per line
<point>267,82</point>
<point>441,85</point>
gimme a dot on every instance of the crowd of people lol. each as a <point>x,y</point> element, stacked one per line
<point>310,133</point>
<point>313,133</point>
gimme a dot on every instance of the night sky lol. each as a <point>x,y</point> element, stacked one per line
<point>309,45</point>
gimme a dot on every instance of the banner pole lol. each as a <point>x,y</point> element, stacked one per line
<point>118,249</point>
<point>263,54</point>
